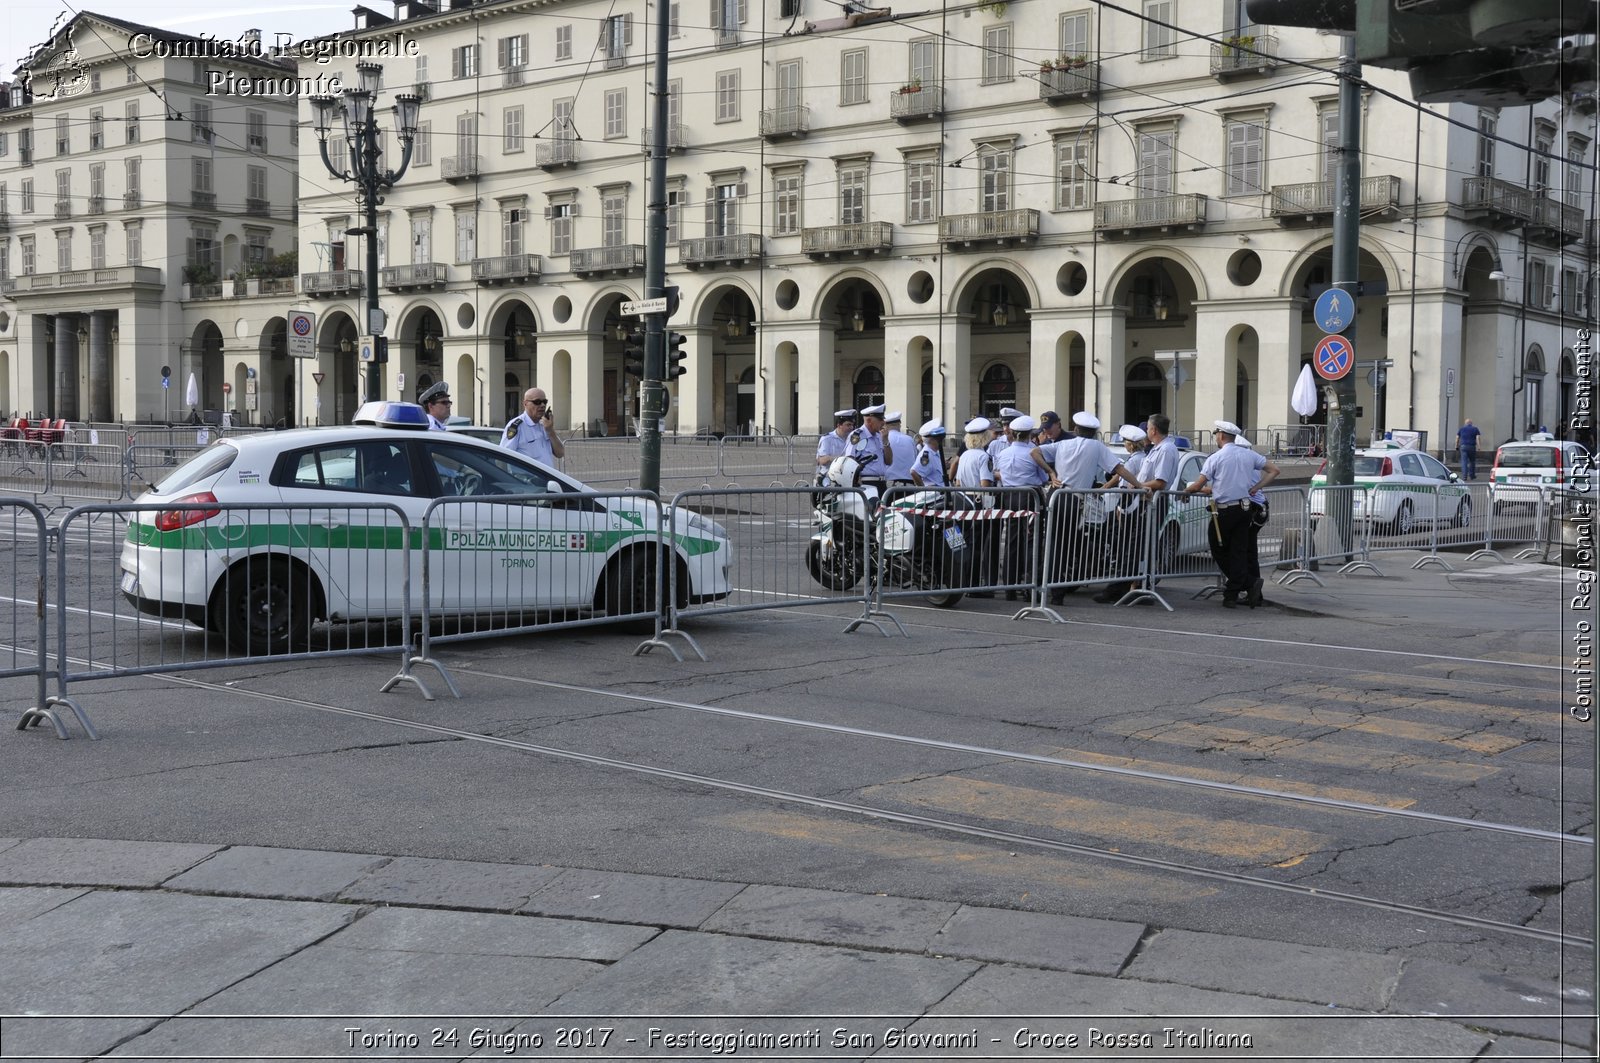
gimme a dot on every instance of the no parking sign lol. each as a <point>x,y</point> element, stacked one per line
<point>302,334</point>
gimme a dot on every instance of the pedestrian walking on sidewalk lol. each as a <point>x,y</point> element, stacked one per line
<point>1467,444</point>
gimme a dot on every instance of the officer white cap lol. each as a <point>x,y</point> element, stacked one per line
<point>1228,427</point>
<point>1024,424</point>
<point>932,428</point>
<point>441,390</point>
<point>844,415</point>
<point>979,424</point>
<point>1131,431</point>
<point>893,418</point>
<point>1085,419</point>
<point>872,411</point>
<point>1008,414</point>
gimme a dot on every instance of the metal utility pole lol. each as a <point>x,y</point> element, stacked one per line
<point>653,392</point>
<point>1346,274</point>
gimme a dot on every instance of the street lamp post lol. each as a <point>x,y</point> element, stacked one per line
<point>357,109</point>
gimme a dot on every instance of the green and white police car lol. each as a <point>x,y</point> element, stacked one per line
<point>1404,488</point>
<point>268,534</point>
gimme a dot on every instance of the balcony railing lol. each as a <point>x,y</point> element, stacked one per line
<point>860,238</point>
<point>1501,201</point>
<point>622,258</point>
<point>1150,212</point>
<point>130,201</point>
<point>507,268</point>
<point>1313,200</point>
<point>203,200</point>
<point>257,208</point>
<point>675,140</point>
<point>736,249</point>
<point>995,226</point>
<point>555,153</point>
<point>115,277</point>
<point>277,286</point>
<point>1555,222</point>
<point>792,121</point>
<point>460,167</point>
<point>1070,83</point>
<point>913,102</point>
<point>97,204</point>
<point>1246,55</point>
<point>414,275</point>
<point>333,282</point>
<point>204,291</point>
<point>727,38</point>
<point>63,209</point>
<point>25,156</point>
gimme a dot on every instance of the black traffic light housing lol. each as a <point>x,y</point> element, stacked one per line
<point>633,352</point>
<point>676,355</point>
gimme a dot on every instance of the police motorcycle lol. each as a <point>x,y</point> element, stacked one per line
<point>920,548</point>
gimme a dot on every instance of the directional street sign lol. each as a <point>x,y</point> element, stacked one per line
<point>1335,311</point>
<point>637,307</point>
<point>1333,357</point>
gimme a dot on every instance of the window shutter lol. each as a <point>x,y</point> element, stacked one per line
<point>572,210</point>
<point>627,31</point>
<point>504,47</point>
<point>742,189</point>
<point>711,211</point>
<point>605,33</point>
<point>744,12</point>
<point>716,15</point>
<point>549,212</point>
<point>455,63</point>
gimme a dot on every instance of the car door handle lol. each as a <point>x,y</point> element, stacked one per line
<point>332,522</point>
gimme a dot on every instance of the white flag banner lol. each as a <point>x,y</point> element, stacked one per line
<point>1304,399</point>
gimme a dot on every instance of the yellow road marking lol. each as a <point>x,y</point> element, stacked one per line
<point>1257,843</point>
<point>1322,717</point>
<point>1432,701</point>
<point>1324,751</point>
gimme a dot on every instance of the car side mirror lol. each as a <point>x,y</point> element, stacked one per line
<point>552,487</point>
<point>1454,478</point>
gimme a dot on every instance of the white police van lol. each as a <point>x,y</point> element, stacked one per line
<point>323,543</point>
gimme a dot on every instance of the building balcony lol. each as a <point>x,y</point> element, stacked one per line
<point>1161,213</point>
<point>97,204</point>
<point>258,208</point>
<point>675,141</point>
<point>618,260</point>
<point>1554,223</point>
<point>837,241</point>
<point>727,38</point>
<point>915,102</point>
<point>1249,55</point>
<point>130,201</point>
<point>118,277</point>
<point>1496,202</point>
<point>413,276</point>
<point>506,269</point>
<point>739,249</point>
<point>7,285</point>
<point>1000,228</point>
<point>333,282</point>
<point>63,209</point>
<point>1058,85</point>
<point>203,200</point>
<point>460,167</point>
<point>779,122</point>
<point>1312,202</point>
<point>204,291</point>
<point>556,154</point>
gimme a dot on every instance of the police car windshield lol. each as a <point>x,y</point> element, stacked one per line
<point>203,465</point>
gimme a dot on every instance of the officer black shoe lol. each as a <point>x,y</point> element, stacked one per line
<point>1109,595</point>
<point>1012,596</point>
<point>1229,603</point>
<point>1253,595</point>
<point>981,594</point>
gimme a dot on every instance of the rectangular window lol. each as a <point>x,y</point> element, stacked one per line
<point>255,124</point>
<point>616,35</point>
<point>561,215</point>
<point>1155,163</point>
<point>63,187</point>
<point>1487,124</point>
<point>5,145</point>
<point>27,195</point>
<point>64,251</point>
<point>722,209</point>
<point>1329,118</point>
<point>921,61</point>
<point>1544,145</point>
<point>1576,150</point>
<point>616,113</point>
<point>97,248</point>
<point>464,62</point>
<point>203,248</point>
<point>920,176</point>
<point>130,122</point>
<point>511,230</point>
<point>1158,39</point>
<point>421,238</point>
<point>422,150</point>
<point>24,139</point>
<point>994,180</point>
<point>466,135</point>
<point>513,56</point>
<point>676,198</point>
<point>563,42</point>
<point>135,235</point>
<point>672,20</point>
<point>727,95</point>
<point>200,131</point>
<point>513,130</point>
<point>30,258</point>
<point>561,126</point>
<point>131,179</point>
<point>256,183</point>
<point>1074,164</point>
<point>1075,35</point>
<point>97,129</point>
<point>466,235</point>
<point>255,246</point>
<point>786,190</point>
<point>614,218</point>
<point>5,259</point>
<point>200,174</point>
<point>97,188</point>
<point>1538,287</point>
<point>1571,292</point>
<point>1246,157</point>
<point>852,193</point>
<point>853,77</point>
<point>996,54</point>
<point>63,135</point>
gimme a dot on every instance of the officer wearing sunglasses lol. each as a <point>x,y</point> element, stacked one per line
<point>533,432</point>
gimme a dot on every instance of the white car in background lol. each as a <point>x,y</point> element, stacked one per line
<point>318,550</point>
<point>1404,488</point>
<point>1528,469</point>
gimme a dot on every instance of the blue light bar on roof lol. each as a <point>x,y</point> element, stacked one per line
<point>392,415</point>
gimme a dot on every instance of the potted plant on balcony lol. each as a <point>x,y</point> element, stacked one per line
<point>914,85</point>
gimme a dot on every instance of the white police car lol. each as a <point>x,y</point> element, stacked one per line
<point>321,543</point>
<point>1404,488</point>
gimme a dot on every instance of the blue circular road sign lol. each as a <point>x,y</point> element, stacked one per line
<point>1335,310</point>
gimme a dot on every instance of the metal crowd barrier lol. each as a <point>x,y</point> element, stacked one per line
<point>503,564</point>
<point>949,539</point>
<point>21,471</point>
<point>26,651</point>
<point>755,456</point>
<point>95,471</point>
<point>210,593</point>
<point>1086,542</point>
<point>148,464</point>
<point>1297,440</point>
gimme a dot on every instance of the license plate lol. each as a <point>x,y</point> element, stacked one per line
<point>1523,479</point>
<point>954,539</point>
<point>130,583</point>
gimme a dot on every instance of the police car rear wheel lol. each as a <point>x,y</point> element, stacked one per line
<point>265,608</point>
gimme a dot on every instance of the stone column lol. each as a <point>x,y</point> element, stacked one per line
<point>100,366</point>
<point>1105,364</point>
<point>819,371</point>
<point>692,398</point>
<point>66,404</point>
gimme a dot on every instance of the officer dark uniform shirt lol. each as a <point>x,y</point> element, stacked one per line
<point>867,448</point>
<point>529,438</point>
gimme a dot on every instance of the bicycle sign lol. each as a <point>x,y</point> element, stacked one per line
<point>1334,356</point>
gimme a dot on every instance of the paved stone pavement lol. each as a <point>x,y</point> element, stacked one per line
<point>161,950</point>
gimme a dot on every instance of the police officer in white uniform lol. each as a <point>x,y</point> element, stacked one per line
<point>1002,435</point>
<point>928,468</point>
<point>533,432</point>
<point>904,448</point>
<point>974,468</point>
<point>1125,524</point>
<point>1233,474</point>
<point>437,402</point>
<point>1082,462</point>
<point>832,444</point>
<point>871,446</point>
<point>1019,466</point>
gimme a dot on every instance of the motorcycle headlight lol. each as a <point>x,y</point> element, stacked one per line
<point>706,525</point>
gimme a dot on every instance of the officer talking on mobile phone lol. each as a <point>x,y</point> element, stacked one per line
<point>533,432</point>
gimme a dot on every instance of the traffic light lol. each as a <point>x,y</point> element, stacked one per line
<point>676,355</point>
<point>633,353</point>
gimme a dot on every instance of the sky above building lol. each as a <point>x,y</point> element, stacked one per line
<point>24,24</point>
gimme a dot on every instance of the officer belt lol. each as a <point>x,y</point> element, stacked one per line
<point>1230,505</point>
